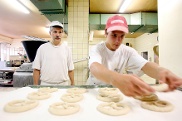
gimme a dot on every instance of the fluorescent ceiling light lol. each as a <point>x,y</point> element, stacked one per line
<point>19,6</point>
<point>124,5</point>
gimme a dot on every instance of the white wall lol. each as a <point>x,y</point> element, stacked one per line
<point>144,43</point>
<point>170,34</point>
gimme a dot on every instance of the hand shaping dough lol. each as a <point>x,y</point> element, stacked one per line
<point>63,108</point>
<point>72,97</point>
<point>110,97</point>
<point>160,87</point>
<point>48,89</point>
<point>158,106</point>
<point>76,90</point>
<point>107,91</point>
<point>152,97</point>
<point>17,106</point>
<point>114,109</point>
<point>38,95</point>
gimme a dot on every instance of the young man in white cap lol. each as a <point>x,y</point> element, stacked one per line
<point>53,63</point>
<point>109,59</point>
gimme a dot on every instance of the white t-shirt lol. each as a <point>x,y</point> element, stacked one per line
<point>124,59</point>
<point>54,62</point>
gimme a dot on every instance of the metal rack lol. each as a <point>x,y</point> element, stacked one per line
<point>84,59</point>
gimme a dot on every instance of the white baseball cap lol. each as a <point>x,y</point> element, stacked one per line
<point>56,23</point>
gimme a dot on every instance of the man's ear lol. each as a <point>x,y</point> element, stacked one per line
<point>106,33</point>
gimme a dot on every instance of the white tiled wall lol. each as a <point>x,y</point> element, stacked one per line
<point>78,27</point>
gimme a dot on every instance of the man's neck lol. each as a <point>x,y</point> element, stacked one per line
<point>56,43</point>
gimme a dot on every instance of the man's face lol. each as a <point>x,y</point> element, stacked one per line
<point>56,34</point>
<point>114,39</point>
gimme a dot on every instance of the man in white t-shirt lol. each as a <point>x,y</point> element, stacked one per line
<point>53,64</point>
<point>109,59</point>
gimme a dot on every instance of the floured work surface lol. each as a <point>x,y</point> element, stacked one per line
<point>88,107</point>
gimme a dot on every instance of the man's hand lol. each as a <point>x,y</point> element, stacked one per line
<point>173,81</point>
<point>131,85</point>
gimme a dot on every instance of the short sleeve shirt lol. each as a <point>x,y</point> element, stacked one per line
<point>54,62</point>
<point>124,59</point>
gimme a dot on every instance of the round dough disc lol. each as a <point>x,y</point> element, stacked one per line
<point>72,97</point>
<point>158,106</point>
<point>152,97</point>
<point>38,95</point>
<point>63,108</point>
<point>110,98</point>
<point>113,109</point>
<point>160,87</point>
<point>107,91</point>
<point>48,89</point>
<point>76,90</point>
<point>17,106</point>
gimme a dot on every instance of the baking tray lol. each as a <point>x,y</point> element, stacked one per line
<point>65,86</point>
<point>82,86</point>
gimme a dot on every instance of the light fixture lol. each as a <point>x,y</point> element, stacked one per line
<point>124,5</point>
<point>19,6</point>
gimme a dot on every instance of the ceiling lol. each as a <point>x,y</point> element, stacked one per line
<point>15,24</point>
<point>135,6</point>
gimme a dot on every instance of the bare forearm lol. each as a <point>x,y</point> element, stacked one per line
<point>163,74</point>
<point>102,73</point>
<point>36,76</point>
<point>129,84</point>
<point>71,76</point>
<point>152,70</point>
